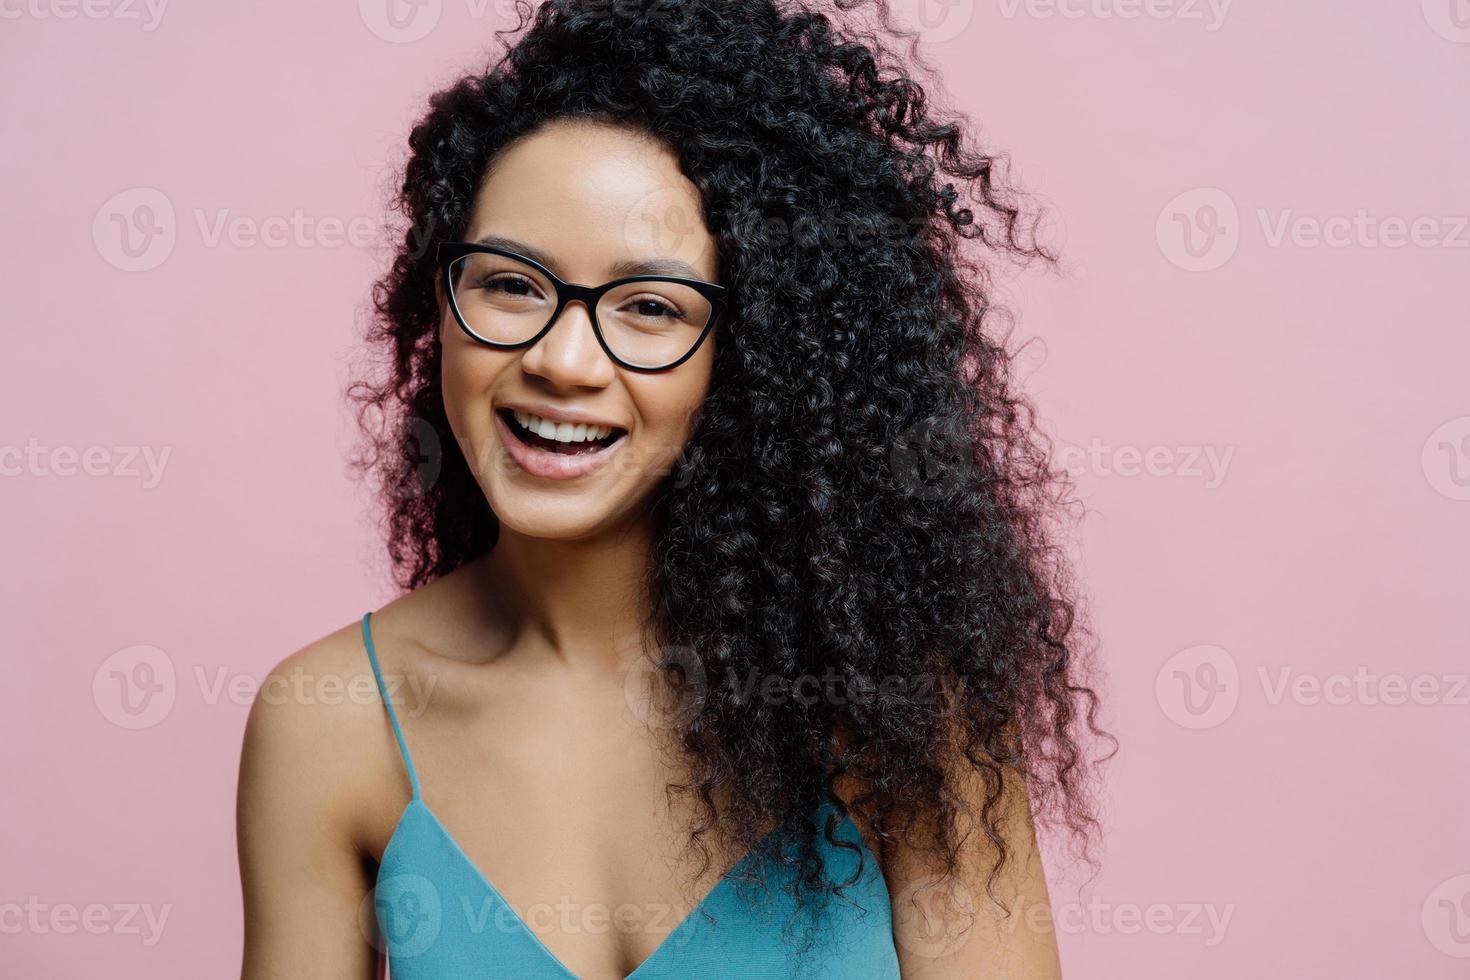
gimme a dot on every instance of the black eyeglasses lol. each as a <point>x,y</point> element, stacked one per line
<point>507,301</point>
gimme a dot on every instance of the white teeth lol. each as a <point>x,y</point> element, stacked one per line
<point>562,431</point>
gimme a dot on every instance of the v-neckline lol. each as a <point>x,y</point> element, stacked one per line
<point>683,925</point>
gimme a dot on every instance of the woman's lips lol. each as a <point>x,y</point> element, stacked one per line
<point>549,465</point>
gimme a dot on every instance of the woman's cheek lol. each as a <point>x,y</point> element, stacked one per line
<point>465,382</point>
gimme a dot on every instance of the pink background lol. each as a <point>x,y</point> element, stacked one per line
<point>1313,830</point>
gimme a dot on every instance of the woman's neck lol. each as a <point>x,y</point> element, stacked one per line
<point>582,602</point>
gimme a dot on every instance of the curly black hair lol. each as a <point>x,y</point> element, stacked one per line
<point>866,495</point>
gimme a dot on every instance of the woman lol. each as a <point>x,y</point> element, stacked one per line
<point>732,644</point>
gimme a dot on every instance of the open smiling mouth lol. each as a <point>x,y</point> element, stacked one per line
<point>575,447</point>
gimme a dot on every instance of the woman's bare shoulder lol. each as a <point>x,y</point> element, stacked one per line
<point>317,742</point>
<point>319,739</point>
<point>316,789</point>
<point>318,722</point>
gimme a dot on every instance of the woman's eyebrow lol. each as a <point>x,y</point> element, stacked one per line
<point>625,267</point>
<point>654,267</point>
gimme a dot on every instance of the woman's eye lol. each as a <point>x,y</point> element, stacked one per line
<point>657,308</point>
<point>510,285</point>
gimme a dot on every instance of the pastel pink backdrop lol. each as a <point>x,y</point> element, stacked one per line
<point>1270,428</point>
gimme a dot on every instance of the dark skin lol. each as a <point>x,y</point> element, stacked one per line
<point>513,671</point>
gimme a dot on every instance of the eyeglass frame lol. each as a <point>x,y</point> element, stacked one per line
<point>447,253</point>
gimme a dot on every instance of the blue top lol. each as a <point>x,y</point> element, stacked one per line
<point>442,919</point>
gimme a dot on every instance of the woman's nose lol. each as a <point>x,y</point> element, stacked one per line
<point>569,354</point>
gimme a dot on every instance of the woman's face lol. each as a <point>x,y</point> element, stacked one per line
<point>587,200</point>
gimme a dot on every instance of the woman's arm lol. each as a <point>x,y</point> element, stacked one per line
<point>303,880</point>
<point>953,930</point>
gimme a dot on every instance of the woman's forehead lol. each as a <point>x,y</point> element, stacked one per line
<point>594,198</point>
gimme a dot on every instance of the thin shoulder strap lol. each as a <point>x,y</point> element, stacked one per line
<point>367,641</point>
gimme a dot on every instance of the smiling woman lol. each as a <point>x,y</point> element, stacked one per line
<point>740,647</point>
<point>517,335</point>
